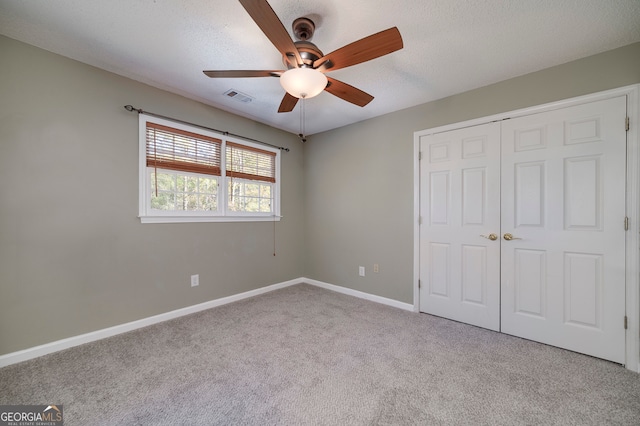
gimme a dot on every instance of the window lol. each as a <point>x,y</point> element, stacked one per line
<point>188,174</point>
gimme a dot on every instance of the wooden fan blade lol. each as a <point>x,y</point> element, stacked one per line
<point>363,50</point>
<point>243,73</point>
<point>263,15</point>
<point>348,92</point>
<point>288,103</point>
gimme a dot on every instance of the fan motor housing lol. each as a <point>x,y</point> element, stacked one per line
<point>303,29</point>
<point>309,53</point>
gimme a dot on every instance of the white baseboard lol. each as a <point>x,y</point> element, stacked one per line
<point>360,294</point>
<point>37,351</point>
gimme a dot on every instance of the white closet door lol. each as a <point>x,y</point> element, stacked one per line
<point>563,200</point>
<point>460,201</point>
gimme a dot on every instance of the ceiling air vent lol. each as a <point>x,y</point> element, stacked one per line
<point>238,96</point>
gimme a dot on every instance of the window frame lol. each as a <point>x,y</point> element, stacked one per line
<point>223,214</point>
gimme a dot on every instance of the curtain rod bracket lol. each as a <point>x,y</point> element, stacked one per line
<point>131,108</point>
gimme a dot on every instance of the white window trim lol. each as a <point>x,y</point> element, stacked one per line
<point>147,215</point>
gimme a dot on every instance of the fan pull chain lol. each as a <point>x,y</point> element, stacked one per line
<point>302,119</point>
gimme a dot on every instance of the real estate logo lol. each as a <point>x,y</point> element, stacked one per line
<point>31,415</point>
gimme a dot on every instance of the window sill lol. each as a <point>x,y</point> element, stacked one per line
<point>193,219</point>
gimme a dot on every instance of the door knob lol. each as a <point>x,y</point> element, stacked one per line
<point>491,237</point>
<point>510,237</point>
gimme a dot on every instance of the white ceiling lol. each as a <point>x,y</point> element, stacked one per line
<point>450,46</point>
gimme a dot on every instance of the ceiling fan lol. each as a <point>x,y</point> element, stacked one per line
<point>306,64</point>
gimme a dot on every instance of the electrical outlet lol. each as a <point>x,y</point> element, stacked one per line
<point>376,268</point>
<point>195,280</point>
<point>361,270</point>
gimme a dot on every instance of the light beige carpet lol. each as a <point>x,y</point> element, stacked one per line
<point>304,355</point>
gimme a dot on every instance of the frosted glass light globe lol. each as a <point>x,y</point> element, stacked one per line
<point>303,82</point>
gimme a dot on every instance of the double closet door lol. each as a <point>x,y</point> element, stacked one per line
<point>523,227</point>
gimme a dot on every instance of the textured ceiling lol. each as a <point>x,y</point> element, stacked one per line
<point>450,46</point>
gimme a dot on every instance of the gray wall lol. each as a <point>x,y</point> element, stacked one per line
<point>74,257</point>
<point>359,178</point>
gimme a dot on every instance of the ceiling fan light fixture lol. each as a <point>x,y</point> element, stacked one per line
<point>303,82</point>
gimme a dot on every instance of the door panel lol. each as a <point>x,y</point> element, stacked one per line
<point>439,271</point>
<point>460,201</point>
<point>529,187</point>
<point>583,289</point>
<point>563,198</point>
<point>530,282</point>
<point>583,193</point>
<point>474,274</point>
<point>440,196</point>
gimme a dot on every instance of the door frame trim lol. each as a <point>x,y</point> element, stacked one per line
<point>632,339</point>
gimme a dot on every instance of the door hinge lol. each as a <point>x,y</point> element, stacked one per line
<point>625,322</point>
<point>626,124</point>
<point>419,220</point>
<point>420,154</point>
<point>626,223</point>
<point>420,286</point>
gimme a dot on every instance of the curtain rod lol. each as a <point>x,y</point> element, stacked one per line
<point>140,111</point>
